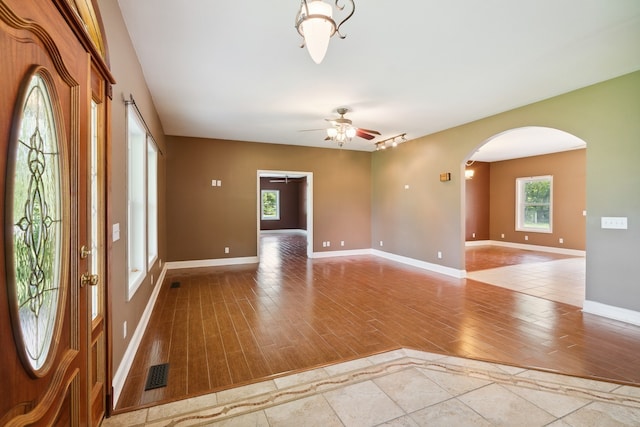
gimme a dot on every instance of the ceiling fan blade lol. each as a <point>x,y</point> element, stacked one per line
<point>364,135</point>
<point>375,132</point>
<point>310,130</point>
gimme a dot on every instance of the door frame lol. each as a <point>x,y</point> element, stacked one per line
<point>54,25</point>
<point>281,173</point>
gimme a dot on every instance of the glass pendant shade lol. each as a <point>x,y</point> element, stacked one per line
<point>317,31</point>
<point>332,132</point>
<point>351,132</point>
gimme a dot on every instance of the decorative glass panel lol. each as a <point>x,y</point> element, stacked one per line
<point>36,223</point>
<point>94,218</point>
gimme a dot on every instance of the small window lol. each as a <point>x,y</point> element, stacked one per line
<point>270,204</point>
<point>534,205</point>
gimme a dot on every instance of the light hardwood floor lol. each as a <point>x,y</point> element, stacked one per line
<point>229,326</point>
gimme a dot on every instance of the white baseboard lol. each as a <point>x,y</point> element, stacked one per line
<point>172,265</point>
<point>350,252</point>
<point>612,312</point>
<point>527,247</point>
<point>127,361</point>
<point>477,243</point>
<point>437,268</point>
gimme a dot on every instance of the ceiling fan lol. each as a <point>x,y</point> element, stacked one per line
<point>285,179</point>
<point>343,129</point>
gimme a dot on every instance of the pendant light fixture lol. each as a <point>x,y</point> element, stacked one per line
<point>316,25</point>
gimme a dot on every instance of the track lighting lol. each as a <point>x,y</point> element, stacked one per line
<point>393,141</point>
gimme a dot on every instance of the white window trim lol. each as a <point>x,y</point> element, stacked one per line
<point>520,182</point>
<point>270,218</point>
<point>143,252</point>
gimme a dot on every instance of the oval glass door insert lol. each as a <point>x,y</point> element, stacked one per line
<point>34,229</point>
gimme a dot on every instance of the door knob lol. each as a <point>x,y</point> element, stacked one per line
<point>89,279</point>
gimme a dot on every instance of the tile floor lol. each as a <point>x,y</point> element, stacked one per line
<point>560,280</point>
<point>405,388</point>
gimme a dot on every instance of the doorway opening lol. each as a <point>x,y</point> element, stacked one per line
<point>549,261</point>
<point>285,204</point>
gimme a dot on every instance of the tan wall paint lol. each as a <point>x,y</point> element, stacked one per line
<point>202,220</point>
<point>569,198</point>
<point>129,81</point>
<point>429,217</point>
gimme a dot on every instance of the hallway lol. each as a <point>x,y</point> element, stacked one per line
<point>225,327</point>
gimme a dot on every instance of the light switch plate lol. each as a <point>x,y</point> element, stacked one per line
<point>614,222</point>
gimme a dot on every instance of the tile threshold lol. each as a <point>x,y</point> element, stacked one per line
<point>217,407</point>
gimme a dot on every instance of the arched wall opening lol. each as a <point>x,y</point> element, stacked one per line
<point>525,189</point>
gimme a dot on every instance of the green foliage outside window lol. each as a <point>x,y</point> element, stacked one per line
<point>537,197</point>
<point>270,204</point>
<point>534,204</point>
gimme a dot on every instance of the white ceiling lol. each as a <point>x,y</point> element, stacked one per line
<point>526,142</point>
<point>234,70</point>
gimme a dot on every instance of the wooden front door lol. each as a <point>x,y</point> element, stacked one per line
<point>52,366</point>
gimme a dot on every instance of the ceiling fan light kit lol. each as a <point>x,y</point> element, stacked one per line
<point>343,130</point>
<point>315,24</point>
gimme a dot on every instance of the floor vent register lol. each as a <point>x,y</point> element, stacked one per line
<point>157,377</point>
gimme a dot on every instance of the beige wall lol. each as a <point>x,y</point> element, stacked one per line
<point>569,198</point>
<point>129,81</point>
<point>202,220</point>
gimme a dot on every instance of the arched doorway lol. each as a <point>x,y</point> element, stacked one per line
<point>525,196</point>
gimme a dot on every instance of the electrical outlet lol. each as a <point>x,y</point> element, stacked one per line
<point>473,235</point>
<point>341,242</point>
<point>226,250</point>
<point>381,244</point>
<point>502,235</point>
<point>526,237</point>
<point>324,244</point>
<point>328,244</point>
<point>439,255</point>
<point>561,240</point>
